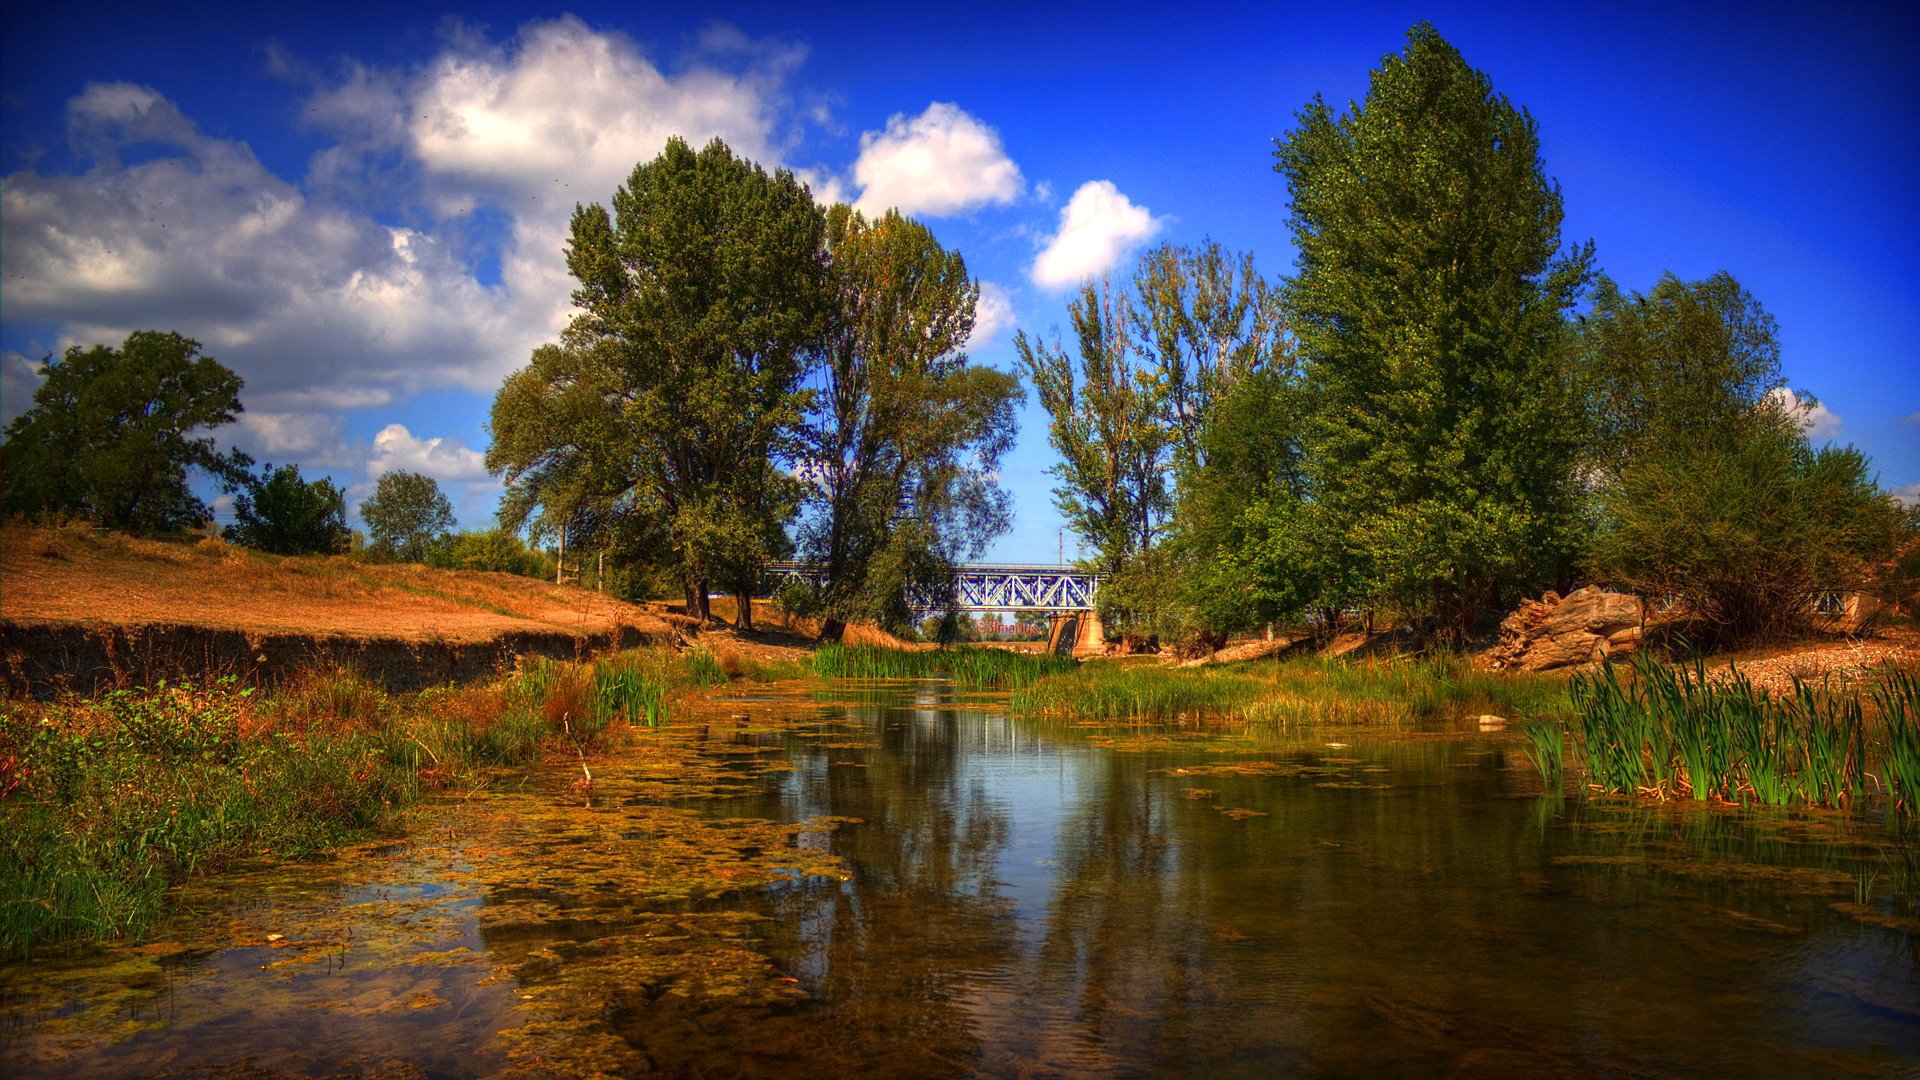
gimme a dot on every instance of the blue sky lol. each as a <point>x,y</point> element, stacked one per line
<point>360,207</point>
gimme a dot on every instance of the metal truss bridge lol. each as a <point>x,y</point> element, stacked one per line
<point>994,587</point>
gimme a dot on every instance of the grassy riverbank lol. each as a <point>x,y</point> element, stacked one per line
<point>1292,692</point>
<point>108,803</point>
<point>975,668</point>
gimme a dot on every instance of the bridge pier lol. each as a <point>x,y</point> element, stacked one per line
<point>1077,633</point>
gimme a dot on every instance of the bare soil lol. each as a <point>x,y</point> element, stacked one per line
<point>100,579</point>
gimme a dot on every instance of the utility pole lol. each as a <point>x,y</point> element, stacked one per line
<point>560,563</point>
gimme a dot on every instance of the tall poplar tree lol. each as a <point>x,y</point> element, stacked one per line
<point>1430,305</point>
<point>905,442</point>
<point>660,421</point>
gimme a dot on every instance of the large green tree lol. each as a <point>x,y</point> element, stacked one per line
<point>281,513</point>
<point>113,435</point>
<point>1430,307</point>
<point>658,426</point>
<point>407,516</point>
<point>906,439</point>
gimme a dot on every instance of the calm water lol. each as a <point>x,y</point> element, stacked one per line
<point>1020,897</point>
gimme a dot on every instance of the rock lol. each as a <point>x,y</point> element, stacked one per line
<point>1587,625</point>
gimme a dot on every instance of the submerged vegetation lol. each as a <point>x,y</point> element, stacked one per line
<point>107,804</point>
<point>1676,732</point>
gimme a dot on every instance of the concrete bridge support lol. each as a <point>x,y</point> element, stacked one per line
<point>1077,634</point>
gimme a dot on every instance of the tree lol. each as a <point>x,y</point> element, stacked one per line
<point>285,515</point>
<point>1105,424</point>
<point>494,550</point>
<point>658,426</point>
<point>903,448</point>
<point>114,433</point>
<point>1429,304</point>
<point>407,515</point>
<point>1204,318</point>
<point>1706,488</point>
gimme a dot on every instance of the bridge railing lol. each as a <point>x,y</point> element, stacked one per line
<point>995,586</point>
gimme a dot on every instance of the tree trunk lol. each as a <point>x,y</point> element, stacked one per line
<point>832,629</point>
<point>700,596</point>
<point>743,603</point>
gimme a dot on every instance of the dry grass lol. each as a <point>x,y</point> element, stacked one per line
<point>80,575</point>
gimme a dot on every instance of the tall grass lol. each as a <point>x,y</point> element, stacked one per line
<point>1294,692</point>
<point>1676,732</point>
<point>969,667</point>
<point>107,804</point>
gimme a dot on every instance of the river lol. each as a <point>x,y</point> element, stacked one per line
<point>900,879</point>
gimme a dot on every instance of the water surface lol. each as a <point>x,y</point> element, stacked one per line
<point>896,879</point>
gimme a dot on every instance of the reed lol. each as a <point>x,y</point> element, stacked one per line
<point>1676,731</point>
<point>997,669</point>
<point>1549,743</point>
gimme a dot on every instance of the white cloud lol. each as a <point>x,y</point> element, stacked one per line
<point>1913,420</point>
<point>395,448</point>
<point>1818,421</point>
<point>314,440</point>
<point>300,298</point>
<point>1909,495</point>
<point>994,314</point>
<point>1098,227</point>
<point>939,163</point>
<point>19,378</point>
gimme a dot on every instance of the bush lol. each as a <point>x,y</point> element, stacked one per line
<point>494,550</point>
<point>1747,537</point>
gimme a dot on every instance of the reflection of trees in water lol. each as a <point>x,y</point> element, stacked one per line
<point>897,956</point>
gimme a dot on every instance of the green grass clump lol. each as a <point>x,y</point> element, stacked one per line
<point>976,668</point>
<point>1295,692</point>
<point>1672,732</point>
<point>108,804</point>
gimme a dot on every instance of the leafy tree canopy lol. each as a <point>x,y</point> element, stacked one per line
<point>407,515</point>
<point>1429,305</point>
<point>283,514</point>
<point>660,422</point>
<point>904,443</point>
<point>113,435</point>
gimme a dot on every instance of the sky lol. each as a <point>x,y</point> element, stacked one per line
<point>361,208</point>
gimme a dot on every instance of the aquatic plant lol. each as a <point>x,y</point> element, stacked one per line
<point>1549,743</point>
<point>978,668</point>
<point>1673,731</point>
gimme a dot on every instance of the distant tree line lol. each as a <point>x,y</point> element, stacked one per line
<point>1442,408</point>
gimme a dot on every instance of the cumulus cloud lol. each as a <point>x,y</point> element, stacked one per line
<point>307,286</point>
<point>1909,495</point>
<point>300,298</point>
<point>1098,227</point>
<point>994,314</point>
<point>942,162</point>
<point>313,440</point>
<point>1818,421</point>
<point>397,449</point>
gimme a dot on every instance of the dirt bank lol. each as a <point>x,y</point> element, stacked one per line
<point>87,610</point>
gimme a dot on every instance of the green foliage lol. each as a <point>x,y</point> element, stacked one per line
<point>112,435</point>
<point>656,429</point>
<point>495,550</point>
<point>1441,426</point>
<point>285,515</point>
<point>1294,692</point>
<point>1673,732</point>
<point>407,517</point>
<point>1708,491</point>
<point>981,668</point>
<point>903,446</point>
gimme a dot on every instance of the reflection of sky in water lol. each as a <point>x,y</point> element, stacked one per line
<point>1026,898</point>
